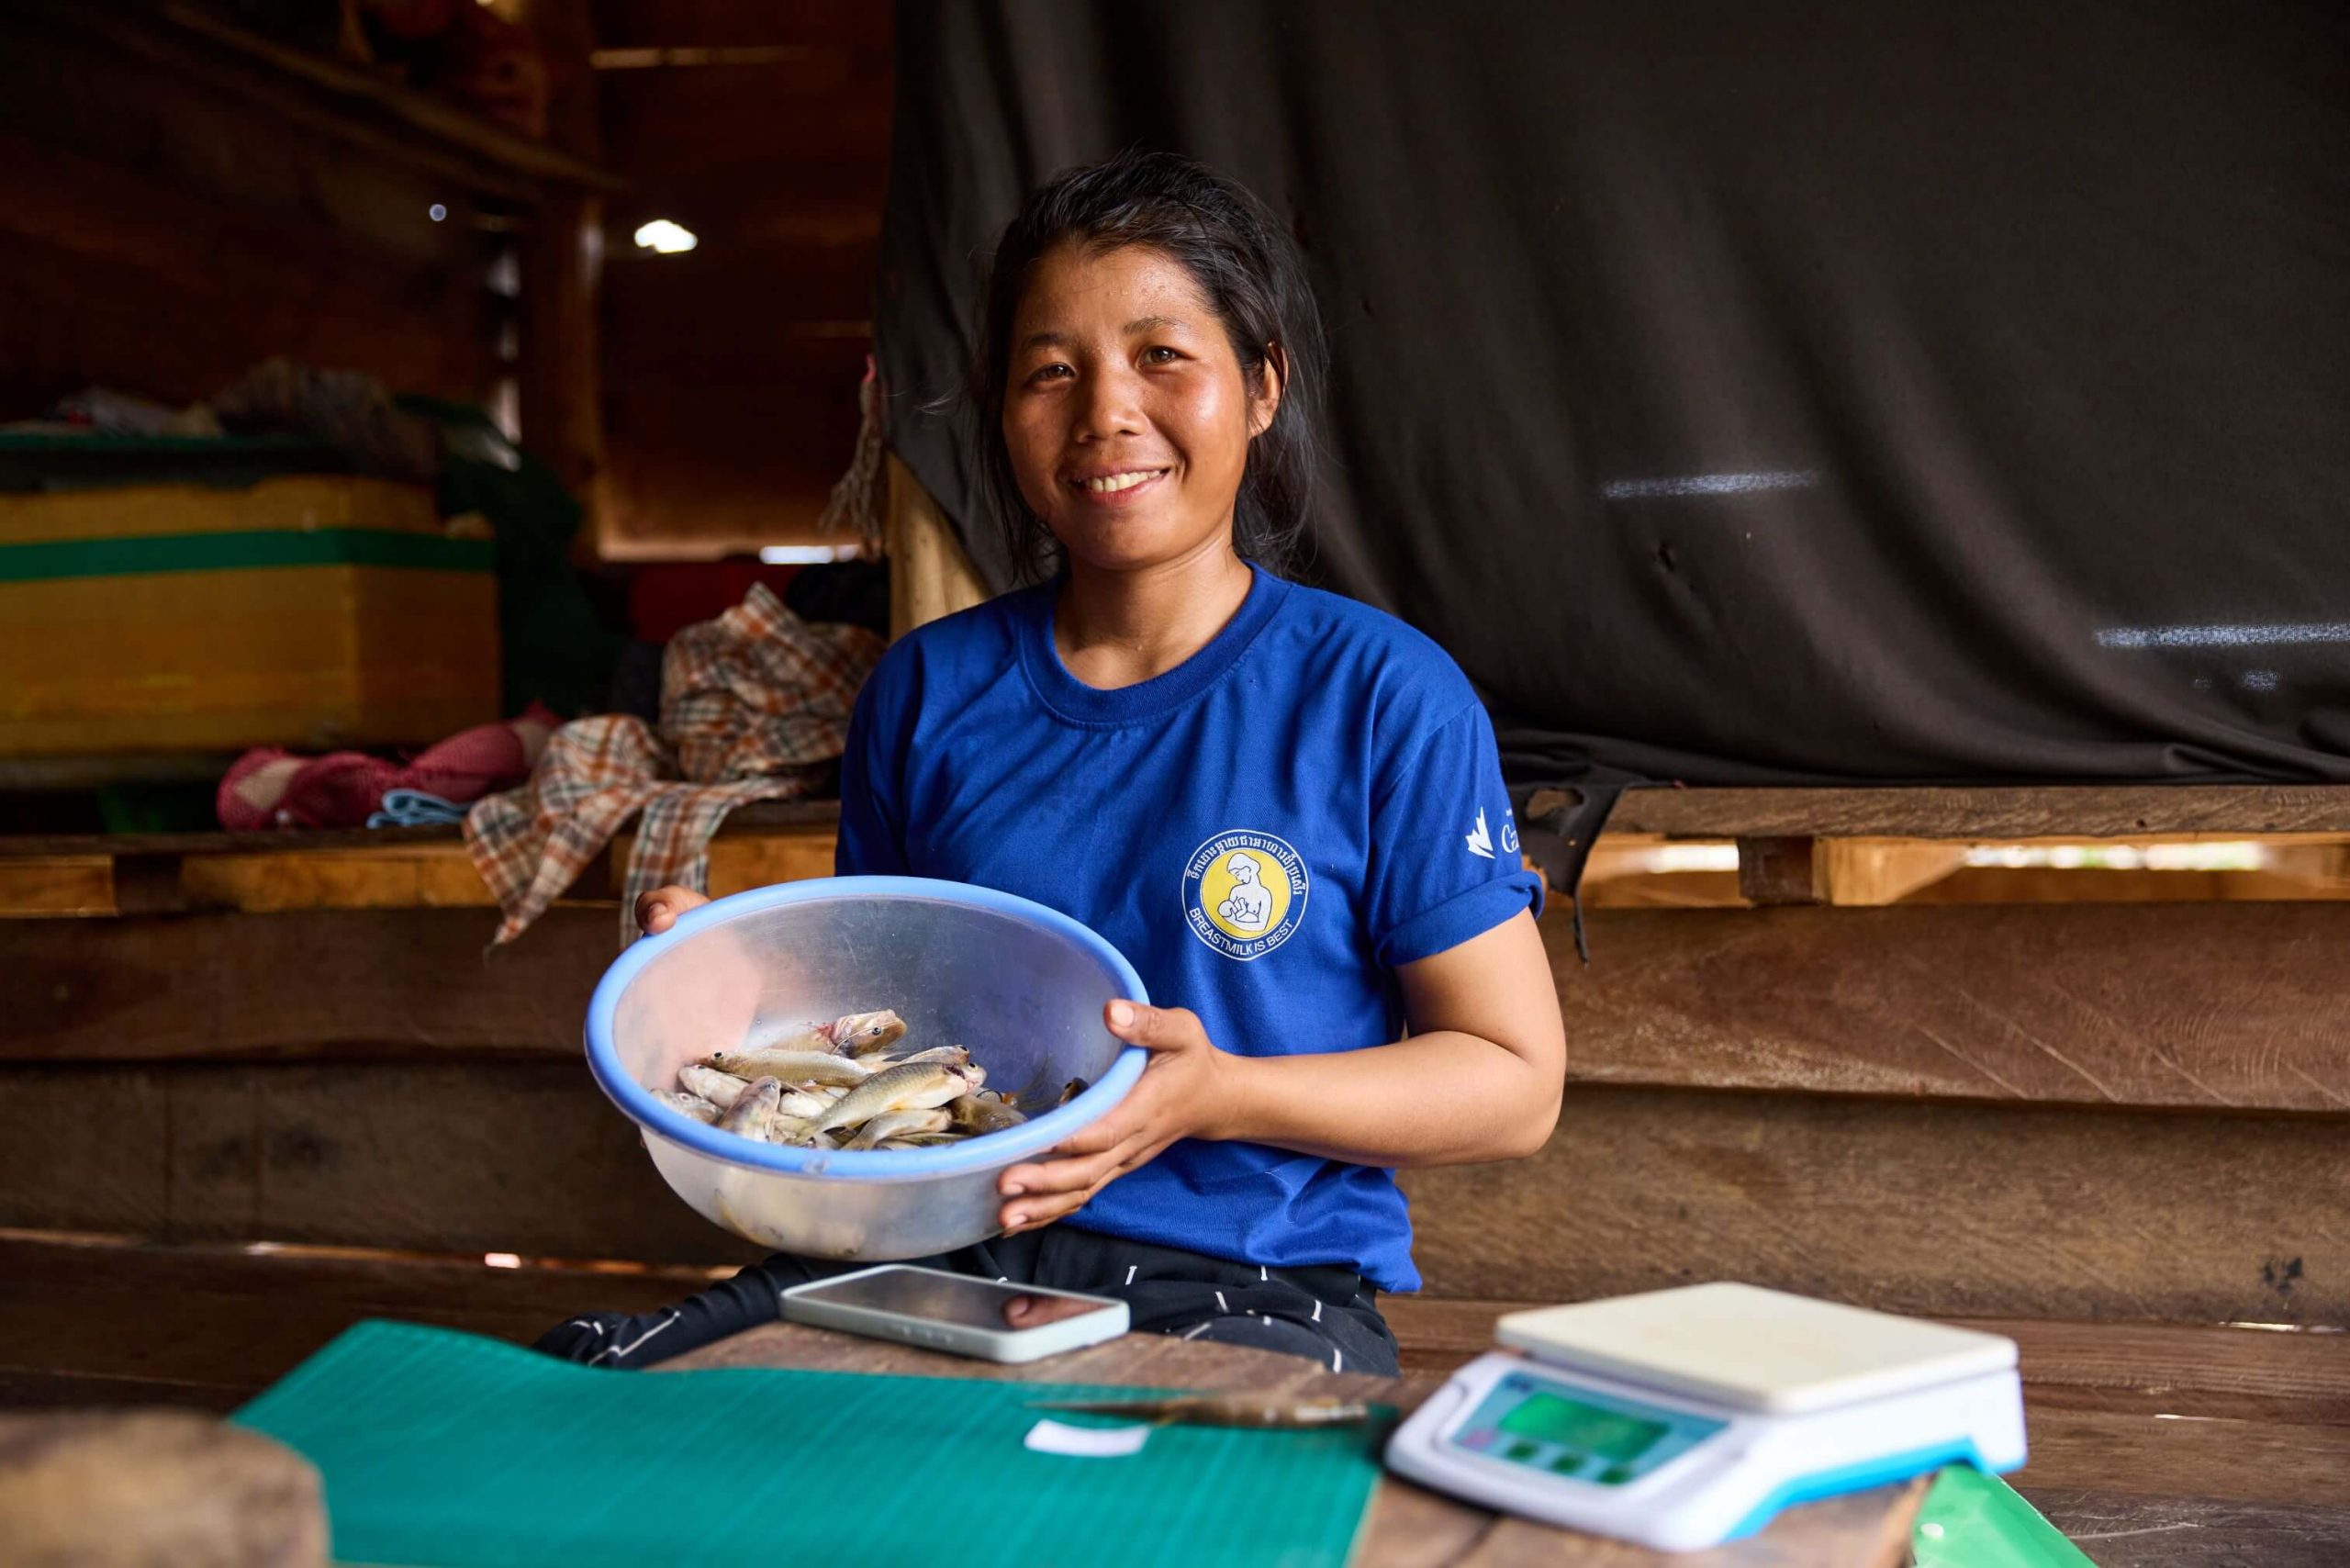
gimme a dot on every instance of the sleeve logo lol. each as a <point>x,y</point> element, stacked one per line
<point>1479,841</point>
<point>1244,894</point>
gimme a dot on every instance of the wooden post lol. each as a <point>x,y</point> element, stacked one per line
<point>930,575</point>
<point>562,264</point>
<point>1780,871</point>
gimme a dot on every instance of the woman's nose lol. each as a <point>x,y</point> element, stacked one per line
<point>1109,405</point>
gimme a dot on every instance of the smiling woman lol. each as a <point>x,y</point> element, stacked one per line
<point>1284,809</point>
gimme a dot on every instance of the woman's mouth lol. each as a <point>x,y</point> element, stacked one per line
<point>1115,484</point>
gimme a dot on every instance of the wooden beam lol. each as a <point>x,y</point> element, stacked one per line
<point>2228,1005</point>
<point>1944,1210</point>
<point>2048,1005</point>
<point>930,575</point>
<point>1780,871</point>
<point>2205,1368</point>
<point>363,984</point>
<point>2088,811</point>
<point>522,1157</point>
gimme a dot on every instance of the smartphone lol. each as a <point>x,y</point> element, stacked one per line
<point>940,1311</point>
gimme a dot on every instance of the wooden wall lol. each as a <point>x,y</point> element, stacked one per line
<point>731,372</point>
<point>162,228</point>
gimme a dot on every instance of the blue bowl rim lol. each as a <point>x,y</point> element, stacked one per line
<point>992,1150</point>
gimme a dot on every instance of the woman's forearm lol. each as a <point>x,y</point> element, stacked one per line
<point>1442,1098</point>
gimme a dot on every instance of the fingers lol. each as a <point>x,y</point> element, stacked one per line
<point>1155,1028</point>
<point>1039,1194</point>
<point>658,909</point>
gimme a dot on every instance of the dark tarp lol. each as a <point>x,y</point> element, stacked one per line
<point>1759,393</point>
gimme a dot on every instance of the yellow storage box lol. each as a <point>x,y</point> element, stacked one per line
<point>310,612</point>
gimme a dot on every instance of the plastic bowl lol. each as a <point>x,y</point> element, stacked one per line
<point>1021,985</point>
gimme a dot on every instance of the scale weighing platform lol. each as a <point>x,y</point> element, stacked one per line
<point>1683,1418</point>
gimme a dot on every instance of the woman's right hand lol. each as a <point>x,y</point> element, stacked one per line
<point>658,909</point>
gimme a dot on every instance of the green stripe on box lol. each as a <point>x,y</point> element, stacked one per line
<point>242,552</point>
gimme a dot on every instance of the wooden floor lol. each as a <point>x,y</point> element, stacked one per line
<point>2153,1447</point>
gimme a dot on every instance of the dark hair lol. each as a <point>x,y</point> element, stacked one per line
<point>1242,259</point>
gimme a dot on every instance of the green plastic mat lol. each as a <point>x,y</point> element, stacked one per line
<point>441,1448</point>
<point>1974,1520</point>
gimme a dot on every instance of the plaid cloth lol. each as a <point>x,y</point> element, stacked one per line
<point>755,706</point>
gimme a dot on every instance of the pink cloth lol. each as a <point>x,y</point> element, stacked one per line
<point>271,788</point>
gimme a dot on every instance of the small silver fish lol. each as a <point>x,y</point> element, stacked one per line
<point>897,1124</point>
<point>721,1088</point>
<point>915,1087</point>
<point>752,1110</point>
<point>979,1113</point>
<point>865,1033</point>
<point>797,1069</point>
<point>950,1055</point>
<point>693,1105</point>
<point>806,1102</point>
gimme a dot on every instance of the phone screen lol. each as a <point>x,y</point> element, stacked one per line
<point>951,1298</point>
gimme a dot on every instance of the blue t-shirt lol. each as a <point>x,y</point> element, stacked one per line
<point>1264,831</point>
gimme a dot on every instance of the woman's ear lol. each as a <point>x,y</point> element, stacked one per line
<point>1266,400</point>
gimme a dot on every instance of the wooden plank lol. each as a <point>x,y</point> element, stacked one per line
<point>1893,810</point>
<point>2049,1006</point>
<point>239,1321</point>
<point>517,1157</point>
<point>366,984</point>
<point>760,816</point>
<point>1938,1209</point>
<point>2205,1368</point>
<point>2147,1455</point>
<point>2234,1005</point>
<point>69,885</point>
<point>2126,1531</point>
<point>1944,1210</point>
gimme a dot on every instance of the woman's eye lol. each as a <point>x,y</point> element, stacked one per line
<point>1160,354</point>
<point>1050,373</point>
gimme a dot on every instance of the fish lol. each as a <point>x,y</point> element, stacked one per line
<point>1071,1089</point>
<point>865,1034</point>
<point>978,1114</point>
<point>806,1102</point>
<point>897,1124</point>
<point>752,1110</point>
<point>952,1056</point>
<point>721,1088</point>
<point>817,1037</point>
<point>916,1086</point>
<point>685,1105</point>
<point>797,1069</point>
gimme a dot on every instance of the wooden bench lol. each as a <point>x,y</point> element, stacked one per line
<point>2114,1125</point>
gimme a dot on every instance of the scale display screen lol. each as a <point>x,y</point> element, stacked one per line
<point>1570,1423</point>
<point>1562,1430</point>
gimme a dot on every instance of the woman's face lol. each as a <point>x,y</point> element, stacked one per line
<point>1125,410</point>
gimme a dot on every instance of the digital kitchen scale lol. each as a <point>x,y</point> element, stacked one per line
<point>1683,1418</point>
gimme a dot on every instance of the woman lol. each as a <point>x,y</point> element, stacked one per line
<point>1283,807</point>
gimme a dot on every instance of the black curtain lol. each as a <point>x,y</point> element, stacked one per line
<point>1757,392</point>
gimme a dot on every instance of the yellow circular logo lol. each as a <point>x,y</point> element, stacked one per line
<point>1243,894</point>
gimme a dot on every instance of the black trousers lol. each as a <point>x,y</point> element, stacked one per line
<point>1327,1314</point>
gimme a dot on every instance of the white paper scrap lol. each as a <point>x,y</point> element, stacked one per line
<point>1048,1436</point>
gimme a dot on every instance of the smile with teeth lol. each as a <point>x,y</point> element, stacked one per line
<point>1126,481</point>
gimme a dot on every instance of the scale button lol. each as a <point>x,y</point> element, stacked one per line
<point>1523,1449</point>
<point>1567,1463</point>
<point>1480,1439</point>
<point>1616,1475</point>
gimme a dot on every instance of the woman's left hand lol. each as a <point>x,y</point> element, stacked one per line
<point>1181,1095</point>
